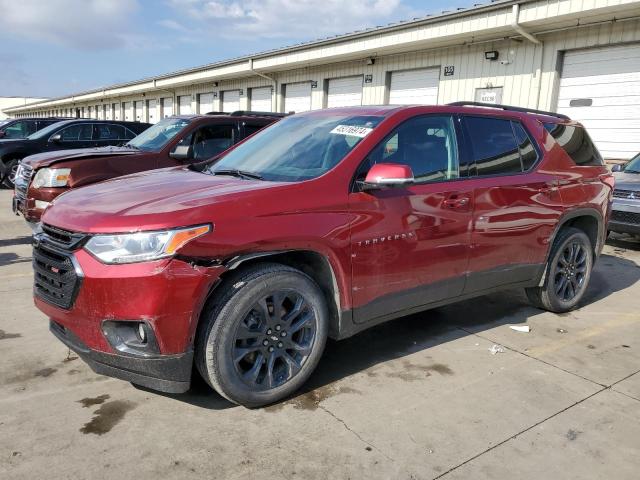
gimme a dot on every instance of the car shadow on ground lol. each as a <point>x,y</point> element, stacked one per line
<point>407,335</point>
<point>10,242</point>
<point>12,258</point>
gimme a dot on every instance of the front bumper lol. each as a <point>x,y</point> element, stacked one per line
<point>168,373</point>
<point>25,204</point>
<point>166,295</point>
<point>625,216</point>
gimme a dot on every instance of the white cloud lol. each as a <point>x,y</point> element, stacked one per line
<point>80,24</point>
<point>292,19</point>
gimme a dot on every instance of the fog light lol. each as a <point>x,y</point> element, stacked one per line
<point>142,333</point>
<point>41,205</point>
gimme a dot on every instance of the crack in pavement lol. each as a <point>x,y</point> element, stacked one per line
<point>344,424</point>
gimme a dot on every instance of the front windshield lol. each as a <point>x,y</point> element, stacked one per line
<point>299,147</point>
<point>155,138</point>
<point>634,165</point>
<point>46,131</point>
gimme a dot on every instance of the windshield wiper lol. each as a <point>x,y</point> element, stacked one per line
<point>128,145</point>
<point>238,173</point>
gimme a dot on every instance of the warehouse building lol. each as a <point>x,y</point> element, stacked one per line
<point>9,102</point>
<point>578,57</point>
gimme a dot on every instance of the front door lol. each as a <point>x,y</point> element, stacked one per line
<point>206,142</point>
<point>410,245</point>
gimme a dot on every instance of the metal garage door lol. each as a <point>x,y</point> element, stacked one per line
<point>138,108</point>
<point>414,87</point>
<point>152,111</point>
<point>345,92</point>
<point>205,103</point>
<point>184,105</point>
<point>261,99</point>
<point>128,111</point>
<point>167,107</point>
<point>297,97</point>
<point>231,101</point>
<point>601,88</point>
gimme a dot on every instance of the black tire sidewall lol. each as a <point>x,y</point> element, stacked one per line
<point>554,301</point>
<point>221,335</point>
<point>7,172</point>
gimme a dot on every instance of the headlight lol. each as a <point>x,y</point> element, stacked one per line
<point>142,246</point>
<point>51,177</point>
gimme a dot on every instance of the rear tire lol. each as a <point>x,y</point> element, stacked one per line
<point>567,273</point>
<point>263,336</point>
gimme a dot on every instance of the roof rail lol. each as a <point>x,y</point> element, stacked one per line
<point>241,113</point>
<point>216,113</point>
<point>508,108</point>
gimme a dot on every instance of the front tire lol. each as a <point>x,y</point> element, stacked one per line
<point>568,273</point>
<point>11,168</point>
<point>264,336</point>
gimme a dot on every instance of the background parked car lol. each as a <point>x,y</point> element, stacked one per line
<point>625,215</point>
<point>173,141</point>
<point>23,127</point>
<point>64,135</point>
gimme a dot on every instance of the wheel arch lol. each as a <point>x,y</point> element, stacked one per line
<point>312,263</point>
<point>589,220</point>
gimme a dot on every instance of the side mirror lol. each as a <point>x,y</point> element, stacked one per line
<point>617,167</point>
<point>182,153</point>
<point>57,138</point>
<point>386,175</point>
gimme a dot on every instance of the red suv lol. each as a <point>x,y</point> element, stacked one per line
<point>321,225</point>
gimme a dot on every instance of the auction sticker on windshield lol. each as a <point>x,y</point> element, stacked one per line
<point>351,131</point>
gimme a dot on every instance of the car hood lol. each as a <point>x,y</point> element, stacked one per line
<point>627,181</point>
<point>152,200</point>
<point>47,159</point>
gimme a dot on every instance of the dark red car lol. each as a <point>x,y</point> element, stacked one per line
<point>321,225</point>
<point>178,140</point>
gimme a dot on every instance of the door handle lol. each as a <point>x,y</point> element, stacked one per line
<point>456,202</point>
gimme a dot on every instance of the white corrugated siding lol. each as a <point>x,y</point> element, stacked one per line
<point>261,99</point>
<point>414,87</point>
<point>601,88</point>
<point>297,97</point>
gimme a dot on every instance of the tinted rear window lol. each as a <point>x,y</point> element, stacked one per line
<point>576,142</point>
<point>495,151</point>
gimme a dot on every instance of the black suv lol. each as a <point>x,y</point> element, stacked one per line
<point>23,127</point>
<point>64,135</point>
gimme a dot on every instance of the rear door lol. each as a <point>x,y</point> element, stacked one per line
<point>106,134</point>
<point>515,207</point>
<point>410,245</point>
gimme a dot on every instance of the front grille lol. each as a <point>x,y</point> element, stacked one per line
<point>56,277</point>
<point>626,194</point>
<point>63,238</point>
<point>625,217</point>
<point>22,180</point>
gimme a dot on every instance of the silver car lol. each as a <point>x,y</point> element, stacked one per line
<point>625,217</point>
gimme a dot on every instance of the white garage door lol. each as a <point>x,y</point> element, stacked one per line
<point>117,111</point>
<point>231,101</point>
<point>345,92</point>
<point>138,107</point>
<point>184,105</point>
<point>167,107</point>
<point>205,103</point>
<point>414,87</point>
<point>128,111</point>
<point>297,97</point>
<point>152,111</point>
<point>601,88</point>
<point>261,99</point>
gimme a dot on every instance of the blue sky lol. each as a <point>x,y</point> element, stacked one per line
<point>57,47</point>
